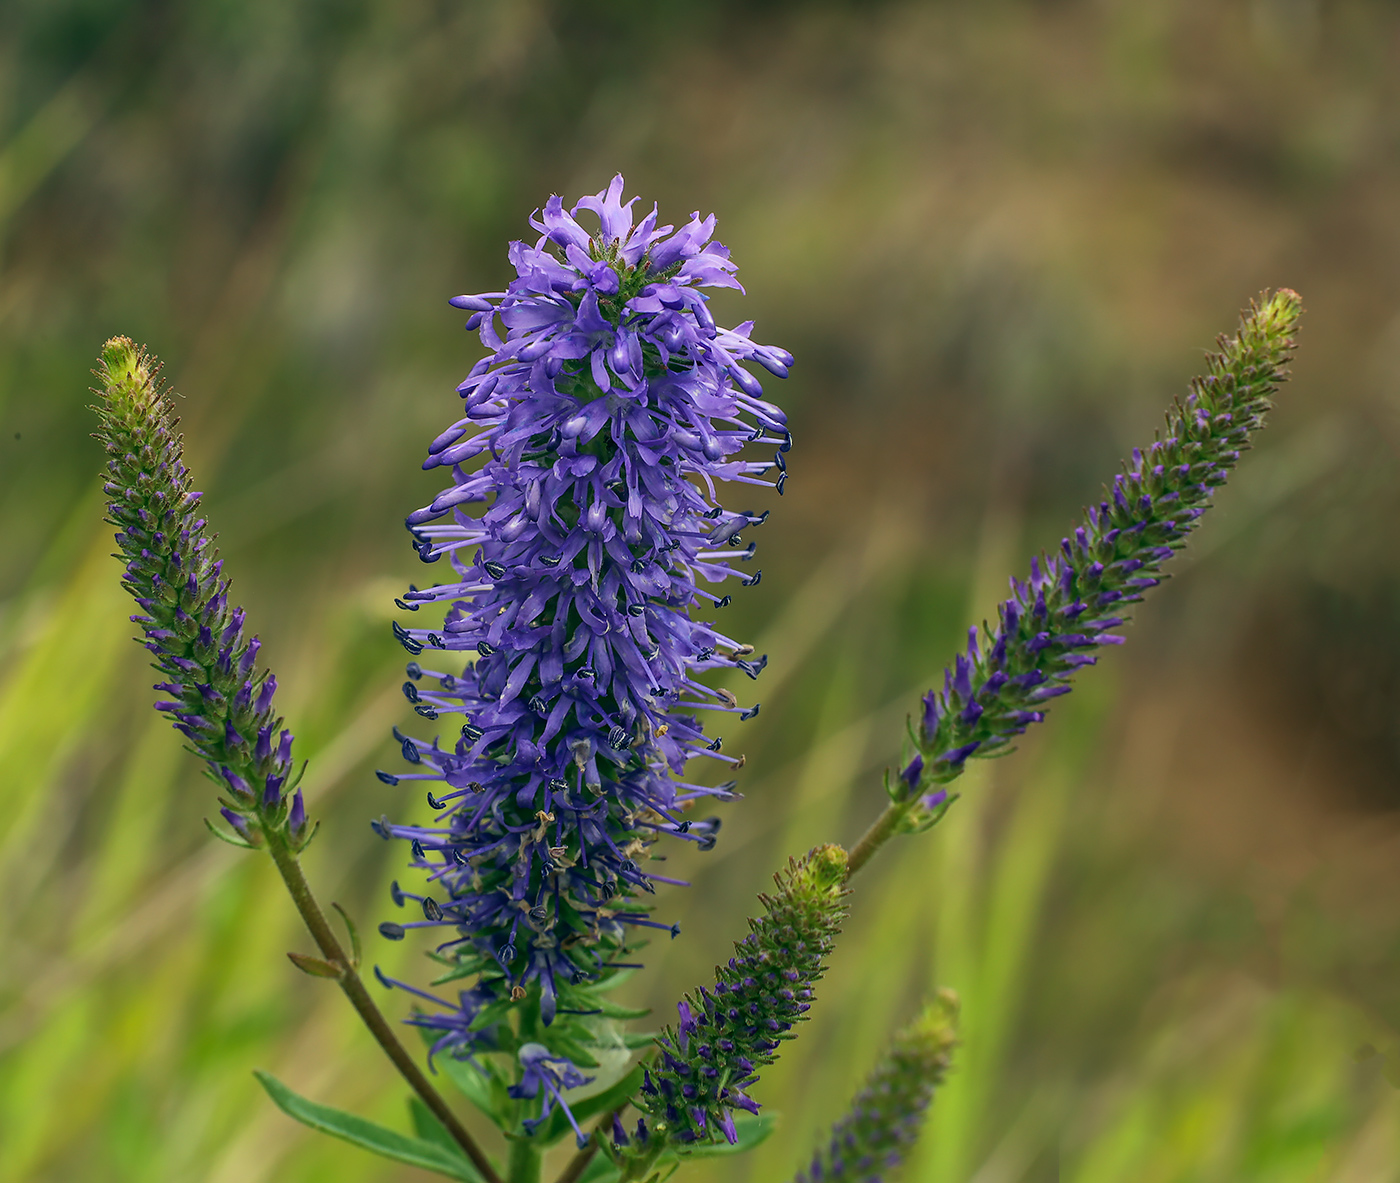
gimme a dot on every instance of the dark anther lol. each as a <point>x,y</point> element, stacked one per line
<point>638,566</point>
<point>782,480</point>
<point>558,786</point>
<point>410,751</point>
<point>431,909</point>
<point>716,512</point>
<point>413,670</point>
<point>459,856</point>
<point>425,552</point>
<point>636,609</point>
<point>617,737</point>
<point>434,803</point>
<point>786,445</point>
<point>417,849</point>
<point>387,777</point>
<point>494,569</point>
<point>705,654</point>
<point>435,641</point>
<point>396,894</point>
<point>485,649</point>
<point>757,576</point>
<point>537,705</point>
<point>752,712</point>
<point>715,744</point>
<point>414,647</point>
<point>538,913</point>
<point>390,931</point>
<point>380,826</point>
<point>476,786</point>
<point>724,601</point>
<point>779,461</point>
<point>425,709</point>
<point>407,607</point>
<point>550,560</point>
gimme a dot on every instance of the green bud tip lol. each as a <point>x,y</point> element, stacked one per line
<point>938,1021</point>
<point>127,370</point>
<point>824,869</point>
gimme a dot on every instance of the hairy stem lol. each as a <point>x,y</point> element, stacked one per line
<point>881,830</point>
<point>526,1162</point>
<point>354,989</point>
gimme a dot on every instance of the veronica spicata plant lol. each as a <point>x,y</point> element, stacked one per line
<point>562,675</point>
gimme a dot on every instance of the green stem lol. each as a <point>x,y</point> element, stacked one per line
<point>881,831</point>
<point>526,1162</point>
<point>354,989</point>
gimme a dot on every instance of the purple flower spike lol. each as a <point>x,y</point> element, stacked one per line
<point>887,1114</point>
<point>583,542</point>
<point>218,702</point>
<point>1046,631</point>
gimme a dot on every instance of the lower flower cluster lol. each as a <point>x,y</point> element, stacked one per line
<point>886,1115</point>
<point>729,1031</point>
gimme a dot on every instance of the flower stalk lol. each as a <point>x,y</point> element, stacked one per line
<point>219,701</point>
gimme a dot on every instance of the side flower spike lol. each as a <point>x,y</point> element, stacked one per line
<point>215,695</point>
<point>731,1030</point>
<point>886,1115</point>
<point>1074,599</point>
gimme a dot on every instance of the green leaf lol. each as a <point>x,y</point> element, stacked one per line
<point>488,1094</point>
<point>427,1126</point>
<point>366,1134</point>
<point>314,966</point>
<point>600,1170</point>
<point>613,1010</point>
<point>751,1131</point>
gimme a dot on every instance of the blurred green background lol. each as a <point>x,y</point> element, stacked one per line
<point>997,236</point>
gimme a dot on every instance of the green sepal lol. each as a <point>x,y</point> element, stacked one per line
<point>632,1040</point>
<point>612,1010</point>
<point>606,1101</point>
<point>485,1090</point>
<point>751,1131</point>
<point>354,935</point>
<point>920,821</point>
<point>231,839</point>
<point>358,1131</point>
<point>314,966</point>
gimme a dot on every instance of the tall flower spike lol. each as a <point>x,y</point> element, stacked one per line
<point>1054,621</point>
<point>609,407</point>
<point>216,697</point>
<point>886,1115</point>
<point>728,1032</point>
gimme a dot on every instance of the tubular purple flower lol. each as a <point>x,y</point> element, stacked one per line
<point>547,1076</point>
<point>581,528</point>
